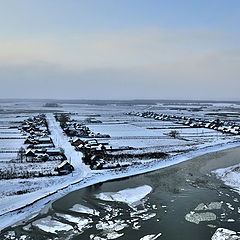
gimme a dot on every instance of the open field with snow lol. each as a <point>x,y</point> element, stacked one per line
<point>142,135</point>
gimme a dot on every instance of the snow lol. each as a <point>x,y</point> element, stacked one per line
<point>114,235</point>
<point>225,234</point>
<point>61,140</point>
<point>111,226</point>
<point>49,225</point>
<point>151,237</point>
<point>130,196</point>
<point>200,217</point>
<point>210,206</point>
<point>123,130</point>
<point>83,209</point>
<point>230,176</point>
<point>71,183</point>
<point>81,222</point>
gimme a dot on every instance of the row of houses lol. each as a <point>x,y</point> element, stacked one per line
<point>215,124</point>
<point>38,145</point>
<point>75,129</point>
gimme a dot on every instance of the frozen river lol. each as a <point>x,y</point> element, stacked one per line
<point>184,201</point>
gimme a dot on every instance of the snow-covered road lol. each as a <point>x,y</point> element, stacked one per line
<point>61,140</point>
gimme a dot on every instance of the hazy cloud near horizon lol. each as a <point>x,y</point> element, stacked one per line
<point>140,62</point>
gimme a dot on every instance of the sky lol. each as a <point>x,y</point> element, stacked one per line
<point>120,49</point>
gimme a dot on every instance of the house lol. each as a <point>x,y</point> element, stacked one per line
<point>76,142</point>
<point>64,168</point>
<point>30,153</point>
<point>29,141</point>
<point>44,140</point>
<point>53,152</point>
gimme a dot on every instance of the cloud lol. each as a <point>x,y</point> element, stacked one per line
<point>127,64</point>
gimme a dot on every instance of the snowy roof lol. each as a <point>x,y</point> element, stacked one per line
<point>63,164</point>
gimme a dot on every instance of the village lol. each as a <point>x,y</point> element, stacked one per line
<point>97,151</point>
<point>226,127</point>
<point>47,153</point>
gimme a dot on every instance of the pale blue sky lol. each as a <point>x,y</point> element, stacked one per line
<point>120,49</point>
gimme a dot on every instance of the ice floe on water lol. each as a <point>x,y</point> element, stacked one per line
<point>200,217</point>
<point>225,234</point>
<point>50,225</point>
<point>116,225</point>
<point>83,209</point>
<point>151,237</point>
<point>114,235</point>
<point>81,223</point>
<point>210,206</point>
<point>130,196</point>
<point>202,212</point>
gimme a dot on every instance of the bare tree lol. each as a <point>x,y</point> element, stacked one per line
<point>21,154</point>
<point>174,133</point>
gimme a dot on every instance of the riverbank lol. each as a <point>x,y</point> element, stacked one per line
<point>93,177</point>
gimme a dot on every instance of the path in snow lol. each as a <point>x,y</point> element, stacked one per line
<point>60,139</point>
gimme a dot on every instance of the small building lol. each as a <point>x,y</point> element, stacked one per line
<point>30,153</point>
<point>76,142</point>
<point>64,168</point>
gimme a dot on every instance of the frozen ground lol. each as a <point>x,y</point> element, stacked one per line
<point>230,176</point>
<point>142,134</point>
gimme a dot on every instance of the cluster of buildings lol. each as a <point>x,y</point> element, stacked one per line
<point>75,129</point>
<point>93,151</point>
<point>96,154</point>
<point>215,124</point>
<point>38,144</point>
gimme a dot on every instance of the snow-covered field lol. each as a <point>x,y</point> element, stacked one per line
<point>141,134</point>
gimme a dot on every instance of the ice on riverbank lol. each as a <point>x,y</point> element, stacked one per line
<point>225,234</point>
<point>130,196</point>
<point>230,176</point>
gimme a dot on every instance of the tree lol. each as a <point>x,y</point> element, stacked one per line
<point>21,154</point>
<point>174,133</point>
<point>63,118</point>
